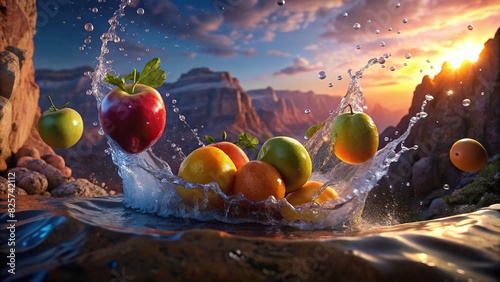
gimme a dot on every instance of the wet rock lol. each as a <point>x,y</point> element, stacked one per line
<point>4,185</point>
<point>55,161</point>
<point>66,171</point>
<point>47,194</point>
<point>4,188</point>
<point>436,209</point>
<point>54,176</point>
<point>20,192</point>
<point>27,151</point>
<point>34,183</point>
<point>79,188</point>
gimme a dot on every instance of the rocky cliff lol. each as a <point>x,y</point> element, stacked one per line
<point>18,90</point>
<point>466,104</point>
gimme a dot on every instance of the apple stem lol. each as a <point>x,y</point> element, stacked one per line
<point>53,107</point>
<point>350,108</point>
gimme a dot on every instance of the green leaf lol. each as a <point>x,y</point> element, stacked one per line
<point>115,80</point>
<point>224,136</point>
<point>151,75</point>
<point>209,139</point>
<point>247,141</point>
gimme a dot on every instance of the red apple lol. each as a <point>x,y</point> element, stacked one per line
<point>133,115</point>
<point>135,121</point>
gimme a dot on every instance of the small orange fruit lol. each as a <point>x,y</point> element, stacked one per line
<point>257,180</point>
<point>237,155</point>
<point>468,155</point>
<point>306,193</point>
<point>205,165</point>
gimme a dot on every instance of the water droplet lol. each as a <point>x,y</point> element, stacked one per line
<point>407,55</point>
<point>399,31</point>
<point>466,102</point>
<point>140,11</point>
<point>139,59</point>
<point>358,46</point>
<point>88,92</point>
<point>398,5</point>
<point>345,14</point>
<point>146,30</point>
<point>396,132</point>
<point>381,60</point>
<point>176,110</point>
<point>446,187</point>
<point>429,97</point>
<point>174,101</point>
<point>167,94</point>
<point>122,29</point>
<point>422,114</point>
<point>405,20</point>
<point>356,26</point>
<point>121,48</point>
<point>94,123</point>
<point>281,2</point>
<point>182,118</point>
<point>87,40</point>
<point>322,74</point>
<point>339,77</point>
<point>305,137</point>
<point>392,68</point>
<point>482,93</point>
<point>330,84</point>
<point>470,27</point>
<point>382,66</point>
<point>369,21</point>
<point>386,55</point>
<point>307,111</point>
<point>405,64</point>
<point>431,67</point>
<point>330,112</point>
<point>449,92</point>
<point>389,29</point>
<point>421,71</point>
<point>81,48</point>
<point>147,122</point>
<point>386,139</point>
<point>101,132</point>
<point>421,203</point>
<point>428,61</point>
<point>382,43</point>
<point>377,31</point>
<point>408,184</point>
<point>89,27</point>
<point>95,10</point>
<point>164,180</point>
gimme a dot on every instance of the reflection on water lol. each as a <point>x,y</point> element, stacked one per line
<point>52,233</point>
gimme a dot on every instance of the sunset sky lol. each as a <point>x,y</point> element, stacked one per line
<point>266,44</point>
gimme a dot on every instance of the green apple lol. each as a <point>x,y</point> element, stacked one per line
<point>290,158</point>
<point>354,137</point>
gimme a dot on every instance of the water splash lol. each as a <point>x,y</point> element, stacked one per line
<point>149,184</point>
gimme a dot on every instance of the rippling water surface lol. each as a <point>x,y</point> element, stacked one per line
<point>81,239</point>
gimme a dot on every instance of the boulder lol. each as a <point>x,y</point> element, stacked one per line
<point>55,161</point>
<point>34,183</point>
<point>54,176</point>
<point>79,188</point>
<point>27,151</point>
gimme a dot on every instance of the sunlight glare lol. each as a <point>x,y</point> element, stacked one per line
<point>463,51</point>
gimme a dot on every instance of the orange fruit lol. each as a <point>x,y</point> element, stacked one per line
<point>468,155</point>
<point>237,155</point>
<point>205,165</point>
<point>306,193</point>
<point>257,180</point>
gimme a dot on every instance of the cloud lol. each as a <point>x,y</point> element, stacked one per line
<point>190,55</point>
<point>268,36</point>
<point>277,53</point>
<point>311,47</point>
<point>299,65</point>
<point>228,52</point>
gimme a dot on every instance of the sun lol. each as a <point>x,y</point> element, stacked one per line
<point>464,51</point>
